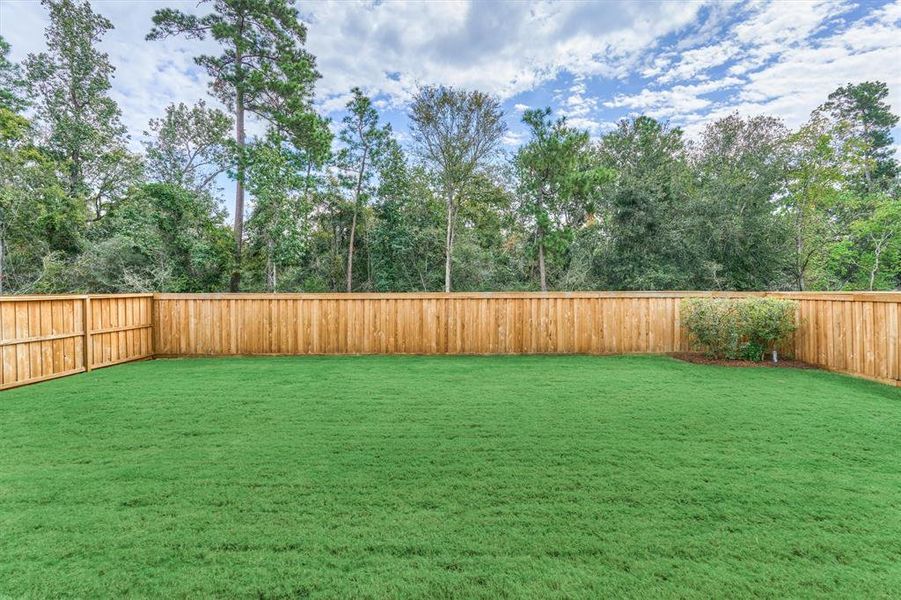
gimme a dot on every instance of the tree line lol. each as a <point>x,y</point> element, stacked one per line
<point>749,205</point>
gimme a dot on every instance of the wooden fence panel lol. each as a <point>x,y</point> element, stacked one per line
<point>854,333</point>
<point>42,337</point>
<point>45,337</point>
<point>120,329</point>
<point>851,332</point>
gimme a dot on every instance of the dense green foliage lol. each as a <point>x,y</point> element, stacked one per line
<point>365,145</point>
<point>70,86</point>
<point>748,205</point>
<point>558,186</point>
<point>263,70</point>
<point>738,328</point>
<point>450,477</point>
<point>739,167</point>
<point>455,133</point>
<point>161,236</point>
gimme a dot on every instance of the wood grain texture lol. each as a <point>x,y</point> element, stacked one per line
<point>855,332</point>
<point>42,337</point>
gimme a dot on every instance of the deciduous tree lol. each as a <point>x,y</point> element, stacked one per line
<point>37,217</point>
<point>71,86</point>
<point>188,146</point>
<point>645,206</point>
<point>406,239</point>
<point>12,83</point>
<point>456,133</point>
<point>813,191</point>
<point>557,183</point>
<point>280,222</point>
<point>740,167</point>
<point>160,237</point>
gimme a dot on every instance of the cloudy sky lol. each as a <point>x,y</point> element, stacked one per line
<point>595,62</point>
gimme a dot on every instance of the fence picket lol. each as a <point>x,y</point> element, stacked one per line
<point>42,337</point>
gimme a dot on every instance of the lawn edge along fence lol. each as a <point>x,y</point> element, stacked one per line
<point>43,337</point>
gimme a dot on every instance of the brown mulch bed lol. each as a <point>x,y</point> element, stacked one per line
<point>702,359</point>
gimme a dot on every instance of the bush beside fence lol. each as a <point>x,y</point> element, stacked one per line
<point>42,337</point>
<point>739,328</point>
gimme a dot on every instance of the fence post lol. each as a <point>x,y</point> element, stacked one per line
<point>154,325</point>
<point>88,345</point>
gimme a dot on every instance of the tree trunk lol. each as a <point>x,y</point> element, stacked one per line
<point>542,202</point>
<point>235,283</point>
<point>799,250</point>
<point>873,271</point>
<point>306,183</point>
<point>350,252</point>
<point>541,269</point>
<point>449,243</point>
<point>871,161</point>
<point>368,246</point>
<point>75,182</point>
<point>270,267</point>
<point>353,225</point>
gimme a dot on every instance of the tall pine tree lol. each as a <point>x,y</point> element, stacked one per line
<point>263,69</point>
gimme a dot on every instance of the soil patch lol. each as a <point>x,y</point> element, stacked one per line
<point>703,359</point>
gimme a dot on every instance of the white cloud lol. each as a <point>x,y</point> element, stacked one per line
<point>788,61</point>
<point>698,61</point>
<point>802,77</point>
<point>501,47</point>
<point>579,108</point>
<point>513,139</point>
<point>678,100</point>
<point>787,22</point>
<point>695,60</point>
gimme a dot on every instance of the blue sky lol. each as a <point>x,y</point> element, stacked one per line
<point>595,62</point>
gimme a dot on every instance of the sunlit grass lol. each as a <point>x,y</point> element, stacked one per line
<point>450,477</point>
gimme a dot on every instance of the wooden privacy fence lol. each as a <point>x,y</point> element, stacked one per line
<point>44,337</point>
<point>856,333</point>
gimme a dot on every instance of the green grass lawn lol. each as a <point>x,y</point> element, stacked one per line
<point>435,477</point>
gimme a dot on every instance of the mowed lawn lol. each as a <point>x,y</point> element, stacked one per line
<point>449,477</point>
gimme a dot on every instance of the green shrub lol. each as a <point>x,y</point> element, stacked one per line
<point>738,328</point>
<point>752,351</point>
<point>713,324</point>
<point>768,322</point>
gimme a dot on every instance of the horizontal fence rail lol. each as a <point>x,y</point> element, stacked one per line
<point>42,337</point>
<point>851,332</point>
